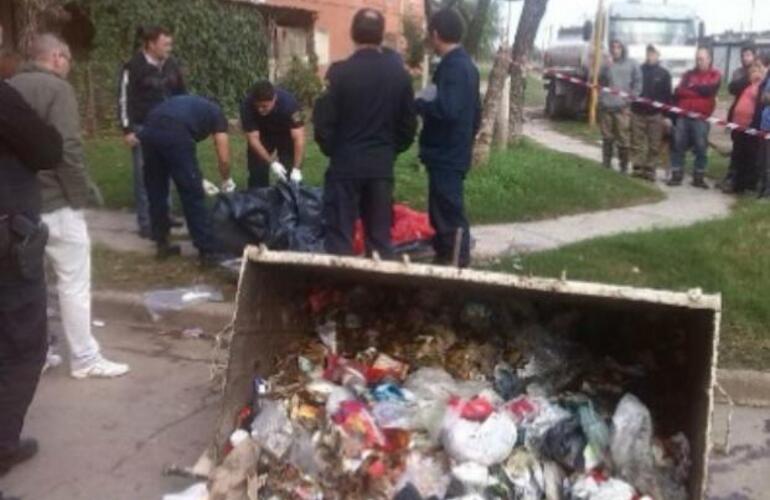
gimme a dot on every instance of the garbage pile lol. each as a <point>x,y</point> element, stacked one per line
<point>420,396</point>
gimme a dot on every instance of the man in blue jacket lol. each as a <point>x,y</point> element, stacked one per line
<point>451,113</point>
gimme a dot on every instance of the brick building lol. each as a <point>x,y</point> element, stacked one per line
<point>322,27</point>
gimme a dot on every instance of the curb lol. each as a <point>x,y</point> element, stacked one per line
<point>129,306</point>
<point>745,387</point>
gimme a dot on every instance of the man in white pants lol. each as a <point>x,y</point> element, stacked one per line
<point>43,85</point>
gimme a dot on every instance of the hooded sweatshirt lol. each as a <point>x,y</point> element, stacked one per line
<point>623,74</point>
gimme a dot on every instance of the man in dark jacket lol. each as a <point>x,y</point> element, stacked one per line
<point>272,120</point>
<point>362,122</point>
<point>149,78</point>
<point>27,145</point>
<point>696,93</point>
<point>451,113</point>
<point>169,142</point>
<point>647,120</point>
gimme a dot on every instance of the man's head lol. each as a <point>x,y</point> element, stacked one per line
<point>653,56</point>
<point>703,59</point>
<point>158,42</point>
<point>748,55</point>
<point>368,27</point>
<point>264,97</point>
<point>445,30</point>
<point>50,52</point>
<point>617,50</point>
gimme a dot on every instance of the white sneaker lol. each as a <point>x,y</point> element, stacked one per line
<point>103,368</point>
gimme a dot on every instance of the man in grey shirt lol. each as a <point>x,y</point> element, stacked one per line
<point>620,73</point>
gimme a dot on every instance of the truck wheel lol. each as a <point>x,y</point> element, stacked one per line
<point>554,105</point>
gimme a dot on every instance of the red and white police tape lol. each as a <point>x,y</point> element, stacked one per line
<point>659,105</point>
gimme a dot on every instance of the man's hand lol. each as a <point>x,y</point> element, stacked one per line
<point>228,185</point>
<point>296,175</point>
<point>131,140</point>
<point>279,170</point>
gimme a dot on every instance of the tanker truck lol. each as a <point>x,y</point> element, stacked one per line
<point>674,29</point>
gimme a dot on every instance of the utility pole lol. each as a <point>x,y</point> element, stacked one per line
<point>596,63</point>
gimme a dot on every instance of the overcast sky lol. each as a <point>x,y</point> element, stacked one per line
<point>719,15</point>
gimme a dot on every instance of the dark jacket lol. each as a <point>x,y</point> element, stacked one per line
<point>656,85</point>
<point>757,121</point>
<point>27,145</point>
<point>366,116</point>
<point>143,86</point>
<point>451,121</point>
<point>697,92</point>
<point>53,98</point>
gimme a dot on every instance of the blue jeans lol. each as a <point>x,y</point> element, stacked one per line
<point>446,208</point>
<point>171,154</point>
<point>141,204</point>
<point>690,134</point>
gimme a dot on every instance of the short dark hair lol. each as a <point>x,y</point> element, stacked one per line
<point>368,27</point>
<point>749,47</point>
<point>263,91</point>
<point>448,25</point>
<point>152,33</point>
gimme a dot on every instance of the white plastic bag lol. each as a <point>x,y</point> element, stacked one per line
<point>486,443</point>
<point>197,491</point>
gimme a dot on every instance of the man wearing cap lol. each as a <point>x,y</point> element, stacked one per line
<point>272,120</point>
<point>622,74</point>
<point>646,119</point>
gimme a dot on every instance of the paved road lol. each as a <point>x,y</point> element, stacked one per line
<point>109,440</point>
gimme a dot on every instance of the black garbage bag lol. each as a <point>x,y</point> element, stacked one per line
<point>283,217</point>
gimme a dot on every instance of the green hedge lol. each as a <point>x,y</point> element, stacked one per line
<point>220,43</point>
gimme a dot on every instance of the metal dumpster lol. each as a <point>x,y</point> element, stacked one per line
<point>270,312</point>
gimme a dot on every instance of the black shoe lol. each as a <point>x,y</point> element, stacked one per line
<point>145,233</point>
<point>674,182</point>
<point>27,449</point>
<point>213,259</point>
<point>165,251</point>
<point>698,182</point>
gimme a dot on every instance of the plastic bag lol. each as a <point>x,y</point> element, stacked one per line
<point>525,473</point>
<point>197,491</point>
<point>426,475</point>
<point>394,415</point>
<point>176,299</point>
<point>631,445</point>
<point>564,443</point>
<point>547,416</point>
<point>590,487</point>
<point>408,231</point>
<point>272,429</point>
<point>486,443</point>
<point>595,430</point>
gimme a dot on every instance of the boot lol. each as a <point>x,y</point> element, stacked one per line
<point>27,449</point>
<point>165,250</point>
<point>699,182</point>
<point>676,179</point>
<point>624,157</point>
<point>607,148</point>
<point>649,174</point>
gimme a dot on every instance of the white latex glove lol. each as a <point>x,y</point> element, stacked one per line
<point>279,170</point>
<point>210,188</point>
<point>296,176</point>
<point>228,185</point>
<point>427,94</point>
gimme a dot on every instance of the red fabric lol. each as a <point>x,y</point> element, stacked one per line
<point>689,99</point>
<point>743,114</point>
<point>408,226</point>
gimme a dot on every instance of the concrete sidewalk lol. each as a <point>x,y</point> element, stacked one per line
<point>683,206</point>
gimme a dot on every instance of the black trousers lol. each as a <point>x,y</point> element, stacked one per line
<point>743,161</point>
<point>347,199</point>
<point>23,346</point>
<point>259,169</point>
<point>446,208</point>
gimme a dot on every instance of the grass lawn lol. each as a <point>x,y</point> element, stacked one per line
<point>728,256</point>
<point>525,183</point>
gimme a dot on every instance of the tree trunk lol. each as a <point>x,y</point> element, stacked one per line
<point>476,27</point>
<point>492,100</point>
<point>529,23</point>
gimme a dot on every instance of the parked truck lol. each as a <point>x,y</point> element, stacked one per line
<point>674,29</point>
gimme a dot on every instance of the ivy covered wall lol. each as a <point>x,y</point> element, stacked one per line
<point>221,44</point>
